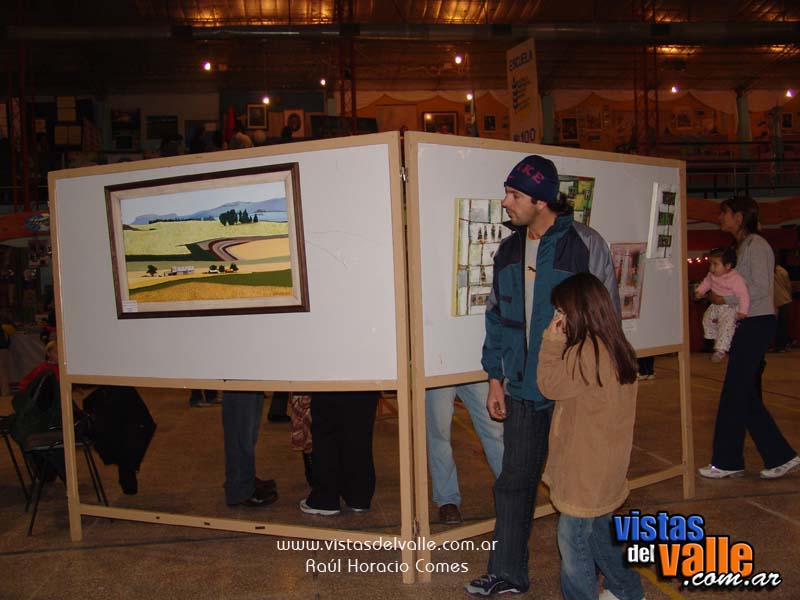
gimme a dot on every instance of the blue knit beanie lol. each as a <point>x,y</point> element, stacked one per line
<point>535,176</point>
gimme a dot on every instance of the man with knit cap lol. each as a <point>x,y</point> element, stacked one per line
<point>546,248</point>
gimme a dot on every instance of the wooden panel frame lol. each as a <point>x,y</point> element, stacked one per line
<point>420,382</point>
<point>402,383</point>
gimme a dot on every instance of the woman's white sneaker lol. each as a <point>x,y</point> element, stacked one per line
<point>712,472</point>
<point>781,470</point>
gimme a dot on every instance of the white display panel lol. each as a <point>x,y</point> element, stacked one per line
<point>349,333</point>
<point>620,212</point>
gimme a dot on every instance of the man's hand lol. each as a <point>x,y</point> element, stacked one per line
<point>496,400</point>
<point>715,298</point>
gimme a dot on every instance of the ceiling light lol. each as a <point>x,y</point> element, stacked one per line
<point>469,96</point>
<point>458,59</point>
<point>789,94</point>
<point>322,82</point>
<point>674,89</point>
<point>265,100</point>
<point>206,66</point>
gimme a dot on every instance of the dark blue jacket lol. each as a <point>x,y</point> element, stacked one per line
<point>565,249</point>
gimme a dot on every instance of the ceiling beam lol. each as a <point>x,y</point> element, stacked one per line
<point>676,33</point>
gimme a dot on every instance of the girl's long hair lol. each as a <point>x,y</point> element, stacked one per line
<point>590,314</point>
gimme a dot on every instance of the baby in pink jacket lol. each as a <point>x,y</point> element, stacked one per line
<point>719,320</point>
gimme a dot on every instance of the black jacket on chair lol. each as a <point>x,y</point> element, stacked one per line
<point>122,430</point>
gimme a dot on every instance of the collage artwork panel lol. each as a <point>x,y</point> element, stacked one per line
<point>479,231</point>
<point>628,262</point>
<point>579,192</point>
<point>662,221</point>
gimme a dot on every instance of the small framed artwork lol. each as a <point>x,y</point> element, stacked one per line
<point>162,126</point>
<point>663,211</point>
<point>569,129</point>
<point>440,122</point>
<point>786,120</point>
<point>257,116</point>
<point>226,242</point>
<point>594,118</point>
<point>295,121</point>
<point>489,123</point>
<point>683,118</point>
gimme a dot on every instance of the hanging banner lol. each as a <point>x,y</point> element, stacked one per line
<point>523,85</point>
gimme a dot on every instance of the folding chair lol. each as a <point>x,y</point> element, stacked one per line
<point>5,431</point>
<point>44,455</point>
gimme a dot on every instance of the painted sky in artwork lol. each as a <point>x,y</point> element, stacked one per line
<point>186,203</point>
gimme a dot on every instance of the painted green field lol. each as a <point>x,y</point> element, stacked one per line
<point>271,278</point>
<point>171,238</point>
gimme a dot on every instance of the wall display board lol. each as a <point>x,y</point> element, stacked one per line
<point>348,245</point>
<point>354,265</point>
<point>446,348</point>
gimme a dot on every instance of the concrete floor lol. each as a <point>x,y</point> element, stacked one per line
<point>183,473</point>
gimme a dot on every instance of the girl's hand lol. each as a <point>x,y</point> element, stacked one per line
<point>557,324</point>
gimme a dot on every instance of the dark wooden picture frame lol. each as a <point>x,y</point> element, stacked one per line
<point>569,129</point>
<point>231,260</point>
<point>257,117</point>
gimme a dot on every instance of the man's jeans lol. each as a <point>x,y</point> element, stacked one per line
<point>439,416</point>
<point>584,543</point>
<point>241,419</point>
<point>525,433</point>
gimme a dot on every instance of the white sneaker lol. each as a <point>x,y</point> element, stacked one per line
<point>712,472</point>
<point>310,510</point>
<point>781,470</point>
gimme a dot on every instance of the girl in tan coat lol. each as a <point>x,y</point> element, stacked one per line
<point>588,367</point>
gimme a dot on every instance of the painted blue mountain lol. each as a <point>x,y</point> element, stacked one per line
<point>145,219</point>
<point>273,209</point>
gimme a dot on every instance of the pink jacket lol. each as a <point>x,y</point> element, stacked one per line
<point>729,284</point>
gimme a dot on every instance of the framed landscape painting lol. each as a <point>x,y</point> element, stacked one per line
<point>228,242</point>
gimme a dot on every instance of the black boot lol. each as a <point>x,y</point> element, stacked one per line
<point>307,467</point>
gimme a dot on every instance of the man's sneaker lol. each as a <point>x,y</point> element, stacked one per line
<point>712,472</point>
<point>449,514</point>
<point>718,356</point>
<point>781,470</point>
<point>491,585</point>
<point>607,595</point>
<point>310,510</point>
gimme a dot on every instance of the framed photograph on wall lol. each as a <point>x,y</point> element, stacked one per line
<point>295,120</point>
<point>257,116</point>
<point>683,118</point>
<point>489,122</point>
<point>227,242</point>
<point>160,127</point>
<point>569,129</point>
<point>440,122</point>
